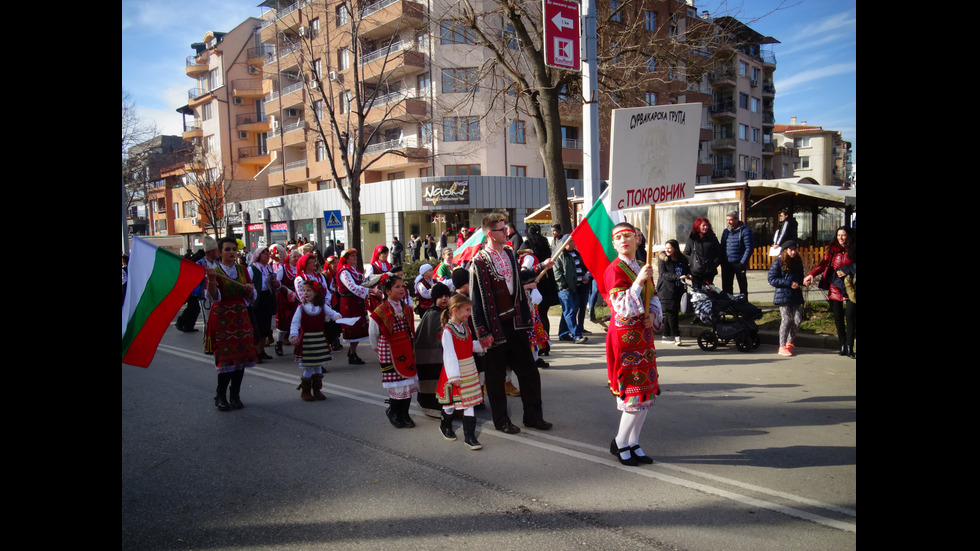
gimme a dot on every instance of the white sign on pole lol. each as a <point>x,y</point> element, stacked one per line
<point>653,154</point>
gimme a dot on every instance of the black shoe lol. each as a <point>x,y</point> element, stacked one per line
<point>540,425</point>
<point>393,418</point>
<point>264,356</point>
<point>509,428</point>
<point>630,461</point>
<point>565,338</point>
<point>469,434</point>
<point>403,413</point>
<point>446,427</point>
<point>221,403</point>
<point>278,349</point>
<point>236,403</point>
<point>354,360</point>
<point>541,363</point>
<point>639,458</point>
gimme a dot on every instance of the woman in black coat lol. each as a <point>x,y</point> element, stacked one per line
<point>672,269</point>
<point>705,253</point>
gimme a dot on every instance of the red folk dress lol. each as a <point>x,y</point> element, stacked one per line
<point>631,358</point>
<point>229,323</point>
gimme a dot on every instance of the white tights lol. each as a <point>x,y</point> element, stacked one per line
<point>468,412</point>
<point>630,425</point>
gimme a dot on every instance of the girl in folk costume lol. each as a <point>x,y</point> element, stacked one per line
<point>286,298</point>
<point>352,302</point>
<point>392,330</point>
<point>444,272</point>
<point>428,351</point>
<point>631,359</point>
<point>230,290</point>
<point>379,265</point>
<point>423,289</point>
<point>459,382</point>
<point>308,334</point>
<point>264,309</point>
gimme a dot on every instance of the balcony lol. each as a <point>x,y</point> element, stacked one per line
<point>723,110</point>
<point>288,134</point>
<point>397,107</point>
<point>253,156</point>
<point>196,66</point>
<point>248,88</point>
<point>384,18</point>
<point>251,122</point>
<point>394,62</point>
<point>294,172</point>
<point>401,153</point>
<point>192,130</point>
<point>723,142</point>
<point>291,95</point>
<point>197,96</point>
<point>258,57</point>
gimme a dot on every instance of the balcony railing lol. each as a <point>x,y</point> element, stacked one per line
<point>395,47</point>
<point>392,145</point>
<point>249,152</point>
<point>192,126</point>
<point>287,128</point>
<point>250,118</point>
<point>293,165</point>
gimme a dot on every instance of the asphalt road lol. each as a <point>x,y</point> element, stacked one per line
<point>753,451</point>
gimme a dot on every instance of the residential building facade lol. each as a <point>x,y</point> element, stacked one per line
<point>822,155</point>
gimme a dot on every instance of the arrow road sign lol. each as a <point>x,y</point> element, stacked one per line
<point>562,34</point>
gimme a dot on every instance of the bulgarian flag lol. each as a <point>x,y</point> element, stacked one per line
<point>469,247</point>
<point>158,284</point>
<point>593,238</point>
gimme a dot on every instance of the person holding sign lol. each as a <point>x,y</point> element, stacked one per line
<point>631,358</point>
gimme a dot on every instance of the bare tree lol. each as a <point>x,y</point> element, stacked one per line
<point>348,109</point>
<point>135,130</point>
<point>207,182</point>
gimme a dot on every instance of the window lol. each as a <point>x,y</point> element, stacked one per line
<point>461,129</point>
<point>651,20</point>
<point>513,42</point>
<point>517,132</point>
<point>422,84</point>
<point>743,132</point>
<point>206,111</point>
<point>651,98</point>
<point>743,69</point>
<point>315,27</point>
<point>743,101</point>
<point>425,172</point>
<point>343,59</point>
<point>342,15</point>
<point>614,14</point>
<point>425,133</point>
<point>754,105</point>
<point>462,170</point>
<point>801,142</point>
<point>190,209</point>
<point>518,171</point>
<point>651,63</point>
<point>321,151</point>
<point>317,69</point>
<point>755,135</point>
<point>459,80</point>
<point>569,137</point>
<point>453,31</point>
<point>803,163</point>
<point>318,110</point>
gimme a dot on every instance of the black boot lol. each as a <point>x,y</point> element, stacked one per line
<point>446,426</point>
<point>392,414</point>
<point>220,393</point>
<point>235,389</point>
<point>469,433</point>
<point>403,413</point>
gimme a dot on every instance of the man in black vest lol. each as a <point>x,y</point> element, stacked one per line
<point>502,318</point>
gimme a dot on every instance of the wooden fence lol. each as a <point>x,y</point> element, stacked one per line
<point>760,259</point>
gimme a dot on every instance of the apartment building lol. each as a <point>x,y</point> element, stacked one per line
<point>822,155</point>
<point>225,121</point>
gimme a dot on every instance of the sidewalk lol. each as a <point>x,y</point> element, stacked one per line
<point>759,291</point>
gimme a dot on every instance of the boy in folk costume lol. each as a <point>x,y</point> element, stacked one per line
<point>631,359</point>
<point>391,331</point>
<point>308,334</point>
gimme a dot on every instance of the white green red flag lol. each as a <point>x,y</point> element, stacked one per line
<point>158,284</point>
<point>593,238</point>
<point>469,248</point>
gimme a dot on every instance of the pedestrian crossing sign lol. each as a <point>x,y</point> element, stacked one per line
<point>333,219</point>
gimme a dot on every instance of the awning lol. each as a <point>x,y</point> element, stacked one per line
<point>762,189</point>
<point>540,216</point>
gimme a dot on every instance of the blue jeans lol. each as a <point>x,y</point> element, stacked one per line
<point>573,305</point>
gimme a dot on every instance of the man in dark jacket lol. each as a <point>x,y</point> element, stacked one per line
<point>397,251</point>
<point>736,241</point>
<point>574,283</point>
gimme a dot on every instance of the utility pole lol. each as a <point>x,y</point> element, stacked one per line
<point>590,107</point>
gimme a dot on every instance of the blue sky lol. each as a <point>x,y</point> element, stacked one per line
<point>815,78</point>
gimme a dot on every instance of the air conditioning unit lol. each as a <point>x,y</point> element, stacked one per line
<point>333,76</point>
<point>193,220</point>
<point>302,31</point>
<point>238,101</point>
<point>263,214</point>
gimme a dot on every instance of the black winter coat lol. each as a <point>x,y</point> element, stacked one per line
<point>669,286</point>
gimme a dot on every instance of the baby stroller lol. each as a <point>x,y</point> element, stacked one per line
<point>731,319</point>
